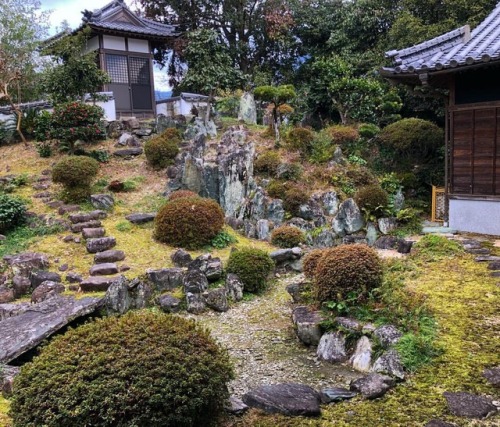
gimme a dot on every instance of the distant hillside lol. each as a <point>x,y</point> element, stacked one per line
<point>162,94</point>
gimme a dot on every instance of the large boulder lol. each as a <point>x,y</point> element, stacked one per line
<point>46,290</point>
<point>6,294</point>
<point>248,109</point>
<point>388,335</point>
<point>216,299</point>
<point>389,363</point>
<point>24,263</point>
<point>169,303</point>
<point>286,399</point>
<point>234,287</point>
<point>166,279</point>
<point>362,357</point>
<point>492,375</point>
<point>195,282</point>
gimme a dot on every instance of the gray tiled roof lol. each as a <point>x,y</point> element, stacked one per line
<point>105,18</point>
<point>451,50</point>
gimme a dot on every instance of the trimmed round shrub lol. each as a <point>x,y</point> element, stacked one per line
<point>412,138</point>
<point>372,199</point>
<point>345,270</point>
<point>75,171</point>
<point>294,197</point>
<point>267,163</point>
<point>161,150</point>
<point>76,174</point>
<point>360,175</point>
<point>252,266</point>
<point>182,194</point>
<point>300,139</point>
<point>140,369</point>
<point>310,262</point>
<point>287,236</point>
<point>12,212</point>
<point>190,223</point>
<point>341,134</point>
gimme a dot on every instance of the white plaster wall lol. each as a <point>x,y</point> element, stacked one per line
<point>115,43</point>
<point>475,216</point>
<point>108,107</point>
<point>136,45</point>
<point>162,108</point>
<point>92,44</point>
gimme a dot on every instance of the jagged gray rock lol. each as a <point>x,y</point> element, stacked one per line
<point>336,394</point>
<point>195,282</point>
<point>492,375</point>
<point>234,287</point>
<point>7,375</point>
<point>362,357</point>
<point>307,325</point>
<point>169,304</point>
<point>373,385</point>
<point>20,285</point>
<point>216,299</point>
<point>38,277</point>
<point>181,258</point>
<point>166,279</point>
<point>389,363</point>
<point>388,335</point>
<point>331,347</point>
<point>97,283</point>
<point>24,263</point>
<point>349,218</point>
<point>195,302</point>
<point>386,225</point>
<point>6,294</point>
<point>46,290</point>
<point>25,331</point>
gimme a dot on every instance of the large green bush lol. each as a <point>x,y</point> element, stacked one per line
<point>310,262</point>
<point>12,212</point>
<point>412,138</point>
<point>76,174</point>
<point>140,369</point>
<point>76,121</point>
<point>287,236</point>
<point>161,150</point>
<point>252,266</point>
<point>346,271</point>
<point>342,134</point>
<point>190,223</point>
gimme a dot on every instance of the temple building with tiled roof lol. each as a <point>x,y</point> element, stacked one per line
<point>124,42</point>
<point>467,65</point>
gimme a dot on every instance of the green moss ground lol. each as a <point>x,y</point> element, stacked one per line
<point>465,301</point>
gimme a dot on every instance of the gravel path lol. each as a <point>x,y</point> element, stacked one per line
<point>261,341</point>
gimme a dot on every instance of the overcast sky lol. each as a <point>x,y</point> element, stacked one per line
<point>70,10</point>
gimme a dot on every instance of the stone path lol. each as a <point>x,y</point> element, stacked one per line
<point>263,345</point>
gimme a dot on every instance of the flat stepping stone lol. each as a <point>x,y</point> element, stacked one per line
<point>373,385</point>
<point>111,255</point>
<point>41,186</point>
<point>141,218</point>
<point>98,283</point>
<point>92,233</point>
<point>336,394</point>
<point>439,423</point>
<point>495,274</point>
<point>492,375</point>
<point>105,269</point>
<point>78,228</point>
<point>64,209</point>
<point>286,399</point>
<point>494,265</point>
<point>129,152</point>
<point>87,216</point>
<point>100,244</point>
<point>487,258</point>
<point>43,195</point>
<point>23,332</point>
<point>54,204</point>
<point>478,251</point>
<point>469,405</point>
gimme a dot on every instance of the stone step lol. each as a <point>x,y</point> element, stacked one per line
<point>487,258</point>
<point>98,283</point>
<point>111,255</point>
<point>55,204</point>
<point>92,233</point>
<point>129,152</point>
<point>78,228</point>
<point>495,274</point>
<point>495,265</point>
<point>104,269</point>
<point>100,244</point>
<point>64,209</point>
<point>478,251</point>
<point>87,216</point>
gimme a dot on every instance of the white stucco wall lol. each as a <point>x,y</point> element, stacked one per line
<point>92,44</point>
<point>115,43</point>
<point>475,216</point>
<point>136,45</point>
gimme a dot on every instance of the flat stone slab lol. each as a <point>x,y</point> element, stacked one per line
<point>129,152</point>
<point>98,283</point>
<point>13,309</point>
<point>287,399</point>
<point>104,269</point>
<point>469,405</point>
<point>336,394</point>
<point>438,230</point>
<point>487,258</point>
<point>141,218</point>
<point>64,209</point>
<point>111,255</point>
<point>495,265</point>
<point>25,331</point>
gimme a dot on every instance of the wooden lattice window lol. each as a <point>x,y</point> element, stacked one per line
<point>116,66</point>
